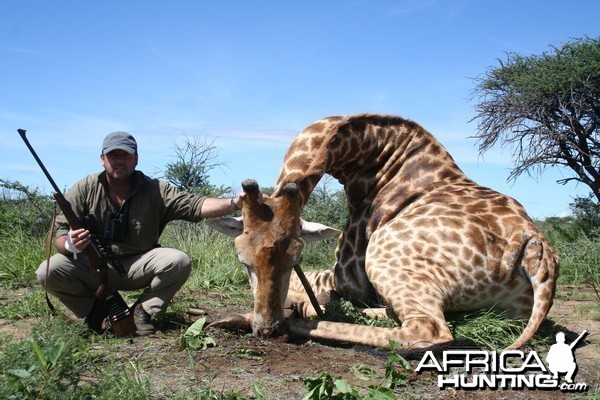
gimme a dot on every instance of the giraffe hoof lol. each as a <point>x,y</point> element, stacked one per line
<point>235,322</point>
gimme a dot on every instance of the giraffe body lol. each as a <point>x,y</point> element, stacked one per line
<point>422,237</point>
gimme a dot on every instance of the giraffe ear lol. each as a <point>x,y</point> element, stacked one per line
<point>313,231</point>
<point>231,226</point>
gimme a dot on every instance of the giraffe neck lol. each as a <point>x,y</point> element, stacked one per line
<point>305,162</point>
<point>368,155</point>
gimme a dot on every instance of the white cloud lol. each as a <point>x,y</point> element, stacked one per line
<point>411,6</point>
<point>19,168</point>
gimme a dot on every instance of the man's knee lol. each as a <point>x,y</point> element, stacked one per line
<point>184,264</point>
<point>47,270</point>
<point>42,271</point>
<point>58,268</point>
<point>177,262</point>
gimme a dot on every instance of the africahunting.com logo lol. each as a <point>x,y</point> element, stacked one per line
<point>511,369</point>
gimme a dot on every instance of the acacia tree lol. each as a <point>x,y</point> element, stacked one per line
<point>194,159</point>
<point>546,109</point>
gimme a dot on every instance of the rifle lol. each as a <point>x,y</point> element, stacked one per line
<point>572,345</point>
<point>98,254</point>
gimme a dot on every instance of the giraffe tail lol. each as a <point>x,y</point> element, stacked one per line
<point>540,263</point>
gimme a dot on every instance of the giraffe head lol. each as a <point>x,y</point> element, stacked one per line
<point>269,238</point>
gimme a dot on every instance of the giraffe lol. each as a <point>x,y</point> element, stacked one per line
<point>422,238</point>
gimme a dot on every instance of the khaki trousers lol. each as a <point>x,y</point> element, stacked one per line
<point>161,272</point>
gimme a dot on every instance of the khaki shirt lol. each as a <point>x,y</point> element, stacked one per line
<point>150,204</point>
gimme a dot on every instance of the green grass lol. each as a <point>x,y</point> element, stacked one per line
<point>589,311</point>
<point>214,261</point>
<point>579,261</point>
<point>27,303</point>
<point>493,330</point>
<point>56,361</point>
<point>20,255</point>
<point>341,310</point>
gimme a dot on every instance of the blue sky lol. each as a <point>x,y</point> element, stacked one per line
<point>250,75</point>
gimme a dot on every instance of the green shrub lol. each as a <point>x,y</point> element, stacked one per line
<point>327,206</point>
<point>20,255</point>
<point>23,209</point>
<point>579,260</point>
<point>579,251</point>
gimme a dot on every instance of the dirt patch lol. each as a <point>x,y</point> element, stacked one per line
<point>276,367</point>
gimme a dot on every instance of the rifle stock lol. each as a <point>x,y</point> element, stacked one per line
<point>121,317</point>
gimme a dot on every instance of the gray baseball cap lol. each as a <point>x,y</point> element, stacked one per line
<point>119,141</point>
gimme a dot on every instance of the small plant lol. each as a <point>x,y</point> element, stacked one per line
<point>194,337</point>
<point>211,394</point>
<point>326,386</point>
<point>393,377</point>
<point>251,354</point>
<point>322,387</point>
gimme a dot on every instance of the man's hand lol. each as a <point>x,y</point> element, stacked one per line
<point>77,240</point>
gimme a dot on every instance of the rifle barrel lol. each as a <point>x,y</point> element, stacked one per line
<point>572,345</point>
<point>23,132</point>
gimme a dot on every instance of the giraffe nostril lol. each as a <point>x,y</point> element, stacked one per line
<point>269,330</point>
<point>278,328</point>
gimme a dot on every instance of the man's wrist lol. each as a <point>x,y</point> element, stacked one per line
<point>233,204</point>
<point>70,246</point>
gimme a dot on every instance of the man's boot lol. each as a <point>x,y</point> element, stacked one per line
<point>142,320</point>
<point>96,316</point>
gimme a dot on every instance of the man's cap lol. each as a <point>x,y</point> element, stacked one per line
<point>119,141</point>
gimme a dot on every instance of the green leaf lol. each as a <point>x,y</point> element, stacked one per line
<point>345,387</point>
<point>257,392</point>
<point>39,353</point>
<point>364,372</point>
<point>380,394</point>
<point>196,328</point>
<point>20,373</point>
<point>195,339</point>
<point>56,353</point>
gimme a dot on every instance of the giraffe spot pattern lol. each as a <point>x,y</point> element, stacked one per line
<point>422,237</point>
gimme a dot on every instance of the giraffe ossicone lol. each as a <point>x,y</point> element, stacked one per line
<point>422,237</point>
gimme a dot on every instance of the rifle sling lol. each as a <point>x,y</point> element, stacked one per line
<point>49,238</point>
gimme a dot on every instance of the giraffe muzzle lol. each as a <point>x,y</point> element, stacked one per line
<point>268,330</point>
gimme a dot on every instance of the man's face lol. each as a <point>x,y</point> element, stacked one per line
<point>119,164</point>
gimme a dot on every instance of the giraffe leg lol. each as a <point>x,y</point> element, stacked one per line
<point>408,289</point>
<point>423,321</point>
<point>235,322</point>
<point>360,334</point>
